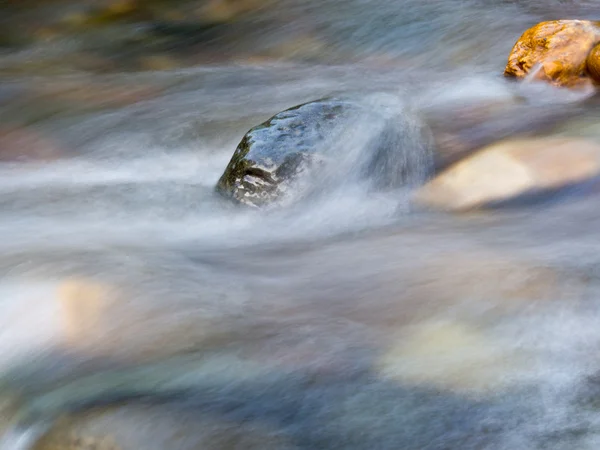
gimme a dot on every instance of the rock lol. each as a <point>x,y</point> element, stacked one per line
<point>375,139</point>
<point>451,355</point>
<point>555,51</point>
<point>593,64</point>
<point>511,169</point>
<point>460,131</point>
<point>100,321</point>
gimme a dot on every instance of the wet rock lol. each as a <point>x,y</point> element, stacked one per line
<point>593,64</point>
<point>451,355</point>
<point>512,169</point>
<point>327,142</point>
<point>555,52</point>
<point>101,321</point>
<point>228,408</point>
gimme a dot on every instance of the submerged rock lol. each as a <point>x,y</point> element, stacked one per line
<point>555,51</point>
<point>371,140</point>
<point>103,321</point>
<point>454,356</point>
<point>512,169</point>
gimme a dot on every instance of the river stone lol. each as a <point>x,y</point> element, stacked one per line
<point>454,356</point>
<point>511,169</point>
<point>372,139</point>
<point>593,64</point>
<point>558,49</point>
<point>101,321</point>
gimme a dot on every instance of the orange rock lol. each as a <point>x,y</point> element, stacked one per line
<point>555,51</point>
<point>593,64</point>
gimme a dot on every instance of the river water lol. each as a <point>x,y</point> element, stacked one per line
<point>348,320</point>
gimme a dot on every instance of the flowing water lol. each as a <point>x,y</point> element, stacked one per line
<point>140,309</point>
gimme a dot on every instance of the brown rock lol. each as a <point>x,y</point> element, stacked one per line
<point>593,64</point>
<point>509,169</point>
<point>555,51</point>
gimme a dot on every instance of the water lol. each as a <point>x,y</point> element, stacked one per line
<point>140,307</point>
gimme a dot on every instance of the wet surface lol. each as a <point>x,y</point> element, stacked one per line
<point>142,310</point>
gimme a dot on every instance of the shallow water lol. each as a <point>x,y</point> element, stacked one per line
<point>348,319</point>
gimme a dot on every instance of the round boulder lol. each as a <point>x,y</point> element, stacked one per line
<point>593,64</point>
<point>555,52</point>
<point>324,144</point>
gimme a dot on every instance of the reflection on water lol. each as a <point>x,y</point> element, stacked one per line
<point>140,310</point>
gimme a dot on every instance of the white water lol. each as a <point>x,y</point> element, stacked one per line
<point>346,321</point>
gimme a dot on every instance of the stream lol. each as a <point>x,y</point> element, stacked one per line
<point>140,310</point>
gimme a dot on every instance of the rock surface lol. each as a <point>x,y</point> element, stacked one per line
<point>278,160</point>
<point>451,355</point>
<point>510,169</point>
<point>593,64</point>
<point>555,51</point>
<point>103,321</point>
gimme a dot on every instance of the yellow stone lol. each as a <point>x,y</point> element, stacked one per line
<point>593,64</point>
<point>555,51</point>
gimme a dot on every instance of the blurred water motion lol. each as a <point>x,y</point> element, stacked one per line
<point>140,310</point>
